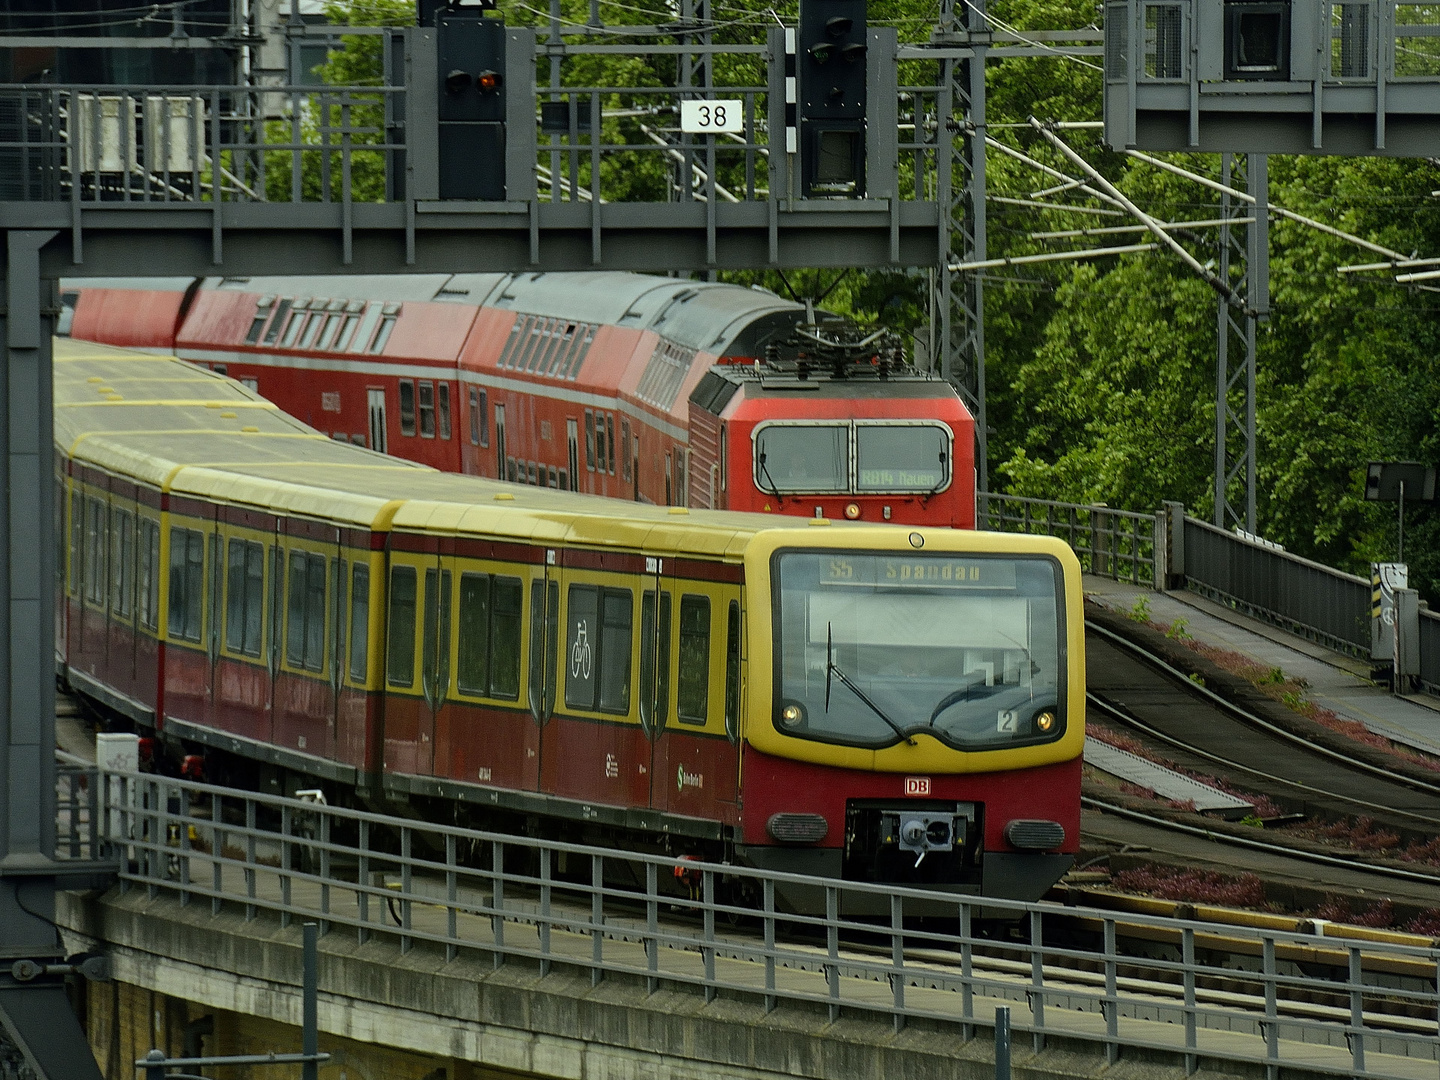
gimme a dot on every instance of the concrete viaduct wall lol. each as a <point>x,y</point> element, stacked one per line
<point>418,1016</point>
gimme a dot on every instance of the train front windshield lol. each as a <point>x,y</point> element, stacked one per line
<point>862,457</point>
<point>871,649</point>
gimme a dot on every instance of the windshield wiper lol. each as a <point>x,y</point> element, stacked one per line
<point>831,668</point>
<point>774,490</point>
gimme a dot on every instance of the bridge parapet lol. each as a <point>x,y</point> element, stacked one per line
<point>542,956</point>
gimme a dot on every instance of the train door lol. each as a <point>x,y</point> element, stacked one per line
<point>353,702</point>
<point>336,625</point>
<point>304,698</point>
<point>657,604</point>
<point>500,472</point>
<point>434,655</point>
<point>696,751</point>
<point>376,400</point>
<point>214,591</point>
<point>542,653</point>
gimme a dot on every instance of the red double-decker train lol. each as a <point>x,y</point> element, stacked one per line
<point>647,388</point>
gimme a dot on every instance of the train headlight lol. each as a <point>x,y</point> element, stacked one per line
<point>852,511</point>
<point>1045,721</point>
<point>792,715</point>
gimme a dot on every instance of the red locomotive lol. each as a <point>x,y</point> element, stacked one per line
<point>648,388</point>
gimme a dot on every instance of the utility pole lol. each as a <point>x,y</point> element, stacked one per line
<point>959,296</point>
<point>1244,261</point>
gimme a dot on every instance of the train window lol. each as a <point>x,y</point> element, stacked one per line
<point>245,597</point>
<point>517,335</point>
<point>407,407</point>
<point>581,646</point>
<point>187,583</point>
<point>382,336</point>
<point>368,319</point>
<point>732,671</point>
<point>326,340</point>
<point>95,545</point>
<point>263,311</point>
<point>427,410</point>
<point>68,300</point>
<point>572,451</point>
<point>435,642</point>
<point>305,612</point>
<point>802,457</point>
<point>682,478</point>
<point>476,412</point>
<point>654,678</point>
<point>510,470</point>
<point>590,440</point>
<point>693,691</point>
<point>969,649</point>
<point>297,320</point>
<point>400,654</point>
<point>443,407</point>
<point>610,443</point>
<point>543,635</point>
<point>77,540</point>
<point>600,441</point>
<point>616,615</point>
<point>505,600</point>
<point>552,477</point>
<point>901,457</point>
<point>500,441</point>
<point>149,583</point>
<point>474,633</point>
<point>220,369</point>
<point>564,484</point>
<point>122,563</point>
<point>625,449</point>
<point>598,649</point>
<point>359,622</point>
<point>278,322</point>
<point>312,330</point>
<point>347,334</point>
<point>530,472</point>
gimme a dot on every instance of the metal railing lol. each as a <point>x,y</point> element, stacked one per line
<point>1334,1005</point>
<point>1430,651</point>
<point>1119,544</point>
<point>1324,605</point>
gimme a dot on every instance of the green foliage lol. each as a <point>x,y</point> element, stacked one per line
<point>1101,374</point>
<point>1140,611</point>
<point>1179,631</point>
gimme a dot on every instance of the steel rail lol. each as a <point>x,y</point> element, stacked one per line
<point>1246,716</point>
<point>1140,725</point>
<point>1260,845</point>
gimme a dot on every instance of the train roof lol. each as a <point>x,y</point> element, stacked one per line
<point>697,314</point>
<point>189,431</point>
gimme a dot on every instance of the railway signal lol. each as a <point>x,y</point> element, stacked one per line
<point>471,108</point>
<point>832,96</point>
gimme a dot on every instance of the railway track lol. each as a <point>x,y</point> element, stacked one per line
<point>1132,688</point>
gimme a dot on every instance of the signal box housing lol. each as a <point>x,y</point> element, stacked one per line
<point>1273,76</point>
<point>831,66</point>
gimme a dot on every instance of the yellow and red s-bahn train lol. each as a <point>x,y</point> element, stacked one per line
<point>868,702</point>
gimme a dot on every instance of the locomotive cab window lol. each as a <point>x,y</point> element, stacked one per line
<point>901,457</point>
<point>802,457</point>
<point>966,648</point>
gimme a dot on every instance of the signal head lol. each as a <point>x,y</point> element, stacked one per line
<point>457,82</point>
<point>488,82</point>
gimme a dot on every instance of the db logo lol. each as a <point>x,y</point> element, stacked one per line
<point>917,785</point>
